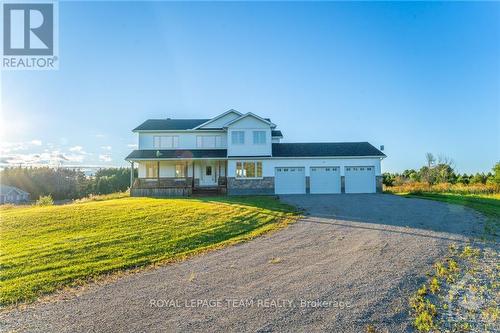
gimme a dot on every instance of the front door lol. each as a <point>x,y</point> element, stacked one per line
<point>208,177</point>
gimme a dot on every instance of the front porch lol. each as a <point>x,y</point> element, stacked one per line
<point>164,178</point>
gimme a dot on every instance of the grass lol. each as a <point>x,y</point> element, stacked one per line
<point>44,249</point>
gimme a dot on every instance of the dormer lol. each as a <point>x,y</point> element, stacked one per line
<point>249,135</point>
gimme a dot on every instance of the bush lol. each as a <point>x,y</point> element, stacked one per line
<point>45,201</point>
<point>102,197</point>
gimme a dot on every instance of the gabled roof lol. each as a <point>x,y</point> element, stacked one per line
<point>218,117</point>
<point>6,189</point>
<point>153,154</point>
<point>250,114</point>
<point>341,149</point>
<point>169,124</point>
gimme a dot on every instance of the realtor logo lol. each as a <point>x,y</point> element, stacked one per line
<point>29,36</point>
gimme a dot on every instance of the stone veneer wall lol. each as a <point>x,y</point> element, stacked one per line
<point>250,186</point>
<point>378,184</point>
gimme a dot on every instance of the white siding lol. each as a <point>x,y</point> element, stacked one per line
<point>248,125</point>
<point>268,165</point>
<point>186,140</point>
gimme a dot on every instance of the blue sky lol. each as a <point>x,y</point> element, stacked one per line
<point>415,77</point>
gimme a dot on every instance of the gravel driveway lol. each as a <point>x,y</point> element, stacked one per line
<point>351,262</point>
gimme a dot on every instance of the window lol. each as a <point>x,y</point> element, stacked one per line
<point>151,169</point>
<point>163,141</point>
<point>209,141</point>
<point>180,170</point>
<point>238,137</point>
<point>208,170</point>
<point>249,169</point>
<point>259,137</point>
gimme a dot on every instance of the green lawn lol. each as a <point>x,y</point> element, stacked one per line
<point>46,248</point>
<point>488,205</point>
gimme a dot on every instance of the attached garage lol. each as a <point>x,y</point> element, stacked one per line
<point>359,179</point>
<point>324,180</point>
<point>290,180</point>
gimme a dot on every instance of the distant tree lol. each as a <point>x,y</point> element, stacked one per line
<point>430,159</point>
<point>478,178</point>
<point>463,179</point>
<point>496,174</point>
<point>63,183</point>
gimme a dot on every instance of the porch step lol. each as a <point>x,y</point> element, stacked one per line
<point>207,191</point>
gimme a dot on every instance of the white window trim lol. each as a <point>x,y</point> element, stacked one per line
<point>174,139</point>
<point>183,168</point>
<point>238,143</point>
<point>259,143</point>
<point>218,141</point>
<point>250,178</point>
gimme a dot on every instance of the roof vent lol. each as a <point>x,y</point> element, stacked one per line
<point>382,147</point>
<point>168,118</point>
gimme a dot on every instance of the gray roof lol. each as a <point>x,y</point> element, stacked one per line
<point>173,124</point>
<point>342,149</point>
<point>276,133</point>
<point>169,124</point>
<point>179,153</point>
<point>5,189</point>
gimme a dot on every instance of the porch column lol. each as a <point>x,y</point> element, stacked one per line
<point>158,173</point>
<point>192,180</point>
<point>131,174</point>
<point>186,172</point>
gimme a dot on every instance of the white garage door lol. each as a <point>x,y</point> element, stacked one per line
<point>290,180</point>
<point>360,179</point>
<point>325,179</point>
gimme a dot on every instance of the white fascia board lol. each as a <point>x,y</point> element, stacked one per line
<point>250,114</point>
<point>185,131</point>
<point>218,117</point>
<point>301,157</point>
<point>175,159</point>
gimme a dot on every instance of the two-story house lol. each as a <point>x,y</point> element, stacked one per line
<point>242,154</point>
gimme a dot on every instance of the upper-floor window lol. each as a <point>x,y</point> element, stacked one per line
<point>259,137</point>
<point>209,141</point>
<point>238,137</point>
<point>164,141</point>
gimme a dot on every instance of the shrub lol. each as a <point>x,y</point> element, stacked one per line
<point>45,201</point>
<point>102,197</point>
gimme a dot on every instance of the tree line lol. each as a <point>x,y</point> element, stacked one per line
<point>441,170</point>
<point>62,183</point>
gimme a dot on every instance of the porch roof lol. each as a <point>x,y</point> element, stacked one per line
<point>154,154</point>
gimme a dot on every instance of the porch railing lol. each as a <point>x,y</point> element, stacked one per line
<point>162,182</point>
<point>149,183</point>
